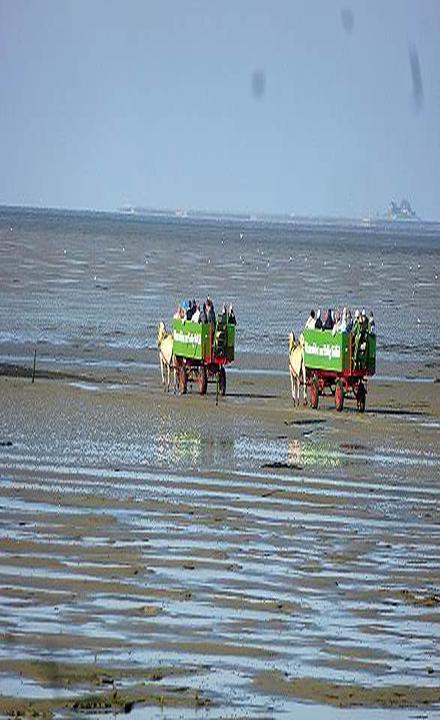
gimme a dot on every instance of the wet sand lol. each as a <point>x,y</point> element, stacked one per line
<point>245,560</point>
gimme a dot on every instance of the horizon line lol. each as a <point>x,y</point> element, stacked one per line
<point>197,213</point>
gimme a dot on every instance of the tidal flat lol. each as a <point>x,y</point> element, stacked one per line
<point>163,553</point>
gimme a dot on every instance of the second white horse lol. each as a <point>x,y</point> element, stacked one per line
<point>165,346</point>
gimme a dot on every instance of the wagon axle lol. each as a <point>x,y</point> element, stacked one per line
<point>339,386</point>
<point>201,374</point>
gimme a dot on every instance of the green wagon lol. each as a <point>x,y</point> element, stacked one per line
<point>201,353</point>
<point>330,363</point>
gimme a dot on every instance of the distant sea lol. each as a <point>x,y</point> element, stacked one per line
<point>85,286</point>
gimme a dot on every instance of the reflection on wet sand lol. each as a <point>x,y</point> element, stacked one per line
<point>191,449</point>
<point>312,453</point>
<point>188,448</point>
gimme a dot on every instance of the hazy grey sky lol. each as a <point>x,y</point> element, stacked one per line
<point>314,107</point>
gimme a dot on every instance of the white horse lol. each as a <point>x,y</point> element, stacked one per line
<point>165,345</point>
<point>297,367</point>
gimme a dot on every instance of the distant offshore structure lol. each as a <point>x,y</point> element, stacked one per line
<point>394,213</point>
<point>403,211</point>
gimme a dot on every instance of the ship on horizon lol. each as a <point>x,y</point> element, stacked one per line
<point>403,211</point>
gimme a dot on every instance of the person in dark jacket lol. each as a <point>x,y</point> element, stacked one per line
<point>318,321</point>
<point>191,310</point>
<point>328,322</point>
<point>203,319</point>
<point>210,313</point>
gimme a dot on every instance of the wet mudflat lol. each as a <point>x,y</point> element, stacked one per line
<point>245,560</point>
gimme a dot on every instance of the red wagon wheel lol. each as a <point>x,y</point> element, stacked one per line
<point>314,392</point>
<point>202,380</point>
<point>339,395</point>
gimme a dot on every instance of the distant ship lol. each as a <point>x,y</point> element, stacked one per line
<point>403,211</point>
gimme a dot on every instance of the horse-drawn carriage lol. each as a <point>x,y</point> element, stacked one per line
<point>201,353</point>
<point>335,362</point>
<point>198,352</point>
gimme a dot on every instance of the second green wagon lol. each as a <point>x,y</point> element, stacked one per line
<point>332,363</point>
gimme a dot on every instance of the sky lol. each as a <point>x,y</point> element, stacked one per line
<point>312,107</point>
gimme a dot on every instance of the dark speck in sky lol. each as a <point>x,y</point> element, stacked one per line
<point>347,18</point>
<point>416,74</point>
<point>258,84</point>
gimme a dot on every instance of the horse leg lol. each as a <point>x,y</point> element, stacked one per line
<point>291,384</point>
<point>161,368</point>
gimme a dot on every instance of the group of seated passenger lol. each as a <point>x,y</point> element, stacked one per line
<point>336,321</point>
<point>205,313</point>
